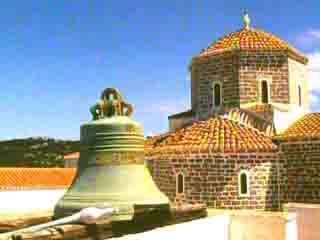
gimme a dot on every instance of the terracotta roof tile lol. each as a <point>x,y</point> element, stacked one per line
<point>74,155</point>
<point>36,178</point>
<point>213,135</point>
<point>248,39</point>
<point>307,127</point>
<point>151,141</point>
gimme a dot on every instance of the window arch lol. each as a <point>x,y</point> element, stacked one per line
<point>243,181</point>
<point>217,95</point>
<point>299,95</point>
<point>180,183</point>
<point>264,92</point>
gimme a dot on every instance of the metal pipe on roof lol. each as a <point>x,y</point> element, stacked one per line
<point>90,215</point>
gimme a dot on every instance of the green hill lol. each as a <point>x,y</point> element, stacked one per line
<point>35,152</point>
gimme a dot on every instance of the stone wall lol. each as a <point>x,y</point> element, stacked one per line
<point>213,179</point>
<point>240,73</point>
<point>302,178</point>
<point>219,68</point>
<point>163,176</point>
<point>194,87</point>
<point>255,66</point>
<point>298,76</point>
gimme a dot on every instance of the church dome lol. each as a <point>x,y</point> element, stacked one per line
<point>249,39</point>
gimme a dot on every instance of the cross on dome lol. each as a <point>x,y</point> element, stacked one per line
<point>246,20</point>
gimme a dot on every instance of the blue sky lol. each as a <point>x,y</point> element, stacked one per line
<point>57,56</point>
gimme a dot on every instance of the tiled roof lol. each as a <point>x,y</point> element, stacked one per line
<point>307,127</point>
<point>35,178</point>
<point>151,141</point>
<point>214,135</point>
<point>260,121</point>
<point>248,39</point>
<point>74,155</point>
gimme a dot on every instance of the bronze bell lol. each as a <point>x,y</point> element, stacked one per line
<point>111,169</point>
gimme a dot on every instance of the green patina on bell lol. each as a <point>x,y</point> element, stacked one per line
<point>111,169</point>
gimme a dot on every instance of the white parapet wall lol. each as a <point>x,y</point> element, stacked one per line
<point>255,225</point>
<point>216,228</point>
<point>223,226</point>
<point>29,200</point>
<point>291,227</point>
<point>307,220</point>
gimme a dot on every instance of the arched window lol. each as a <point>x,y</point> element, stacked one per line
<point>264,92</point>
<point>243,183</point>
<point>299,95</point>
<point>217,95</point>
<point>180,183</point>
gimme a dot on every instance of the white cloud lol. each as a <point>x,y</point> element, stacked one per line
<point>314,34</point>
<point>313,98</point>
<point>314,70</point>
<point>314,78</point>
<point>309,37</point>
